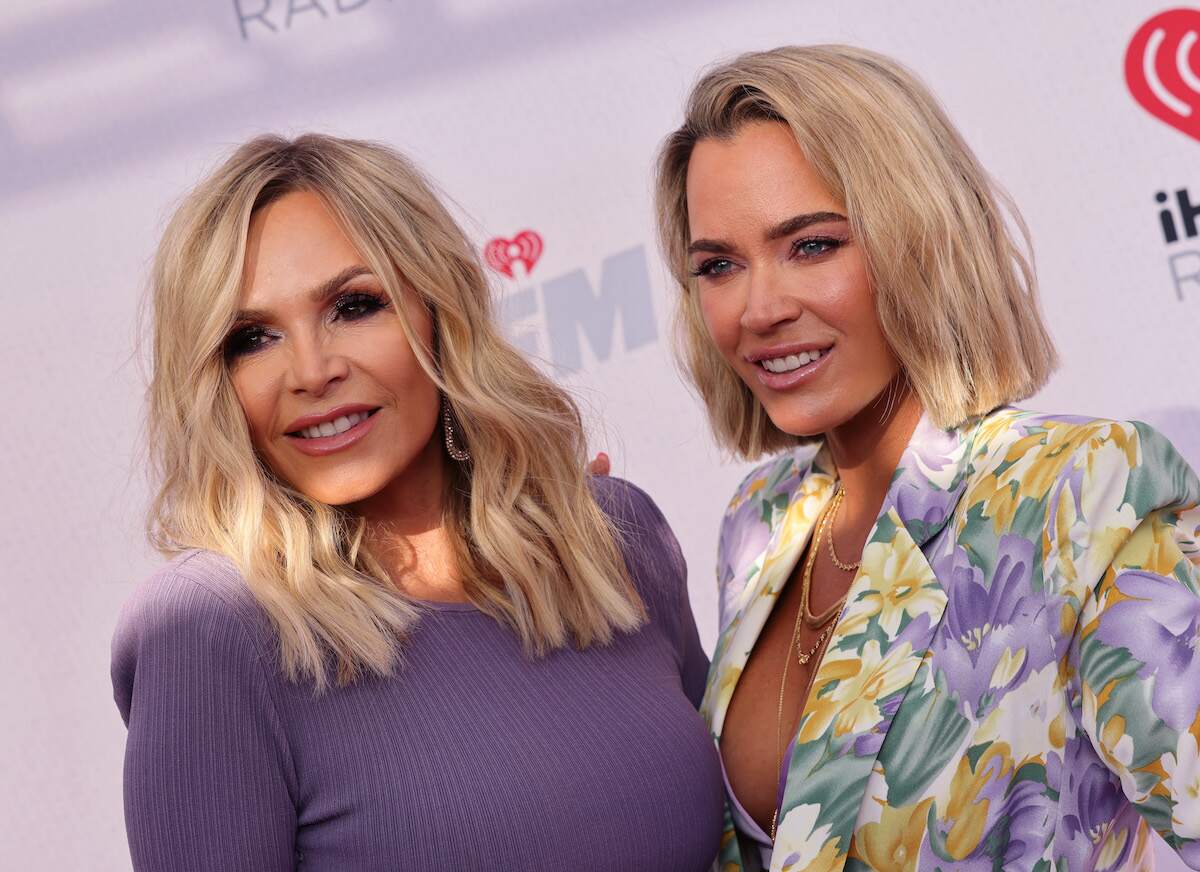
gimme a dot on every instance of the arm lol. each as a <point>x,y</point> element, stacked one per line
<point>1138,660</point>
<point>207,772</point>
<point>659,571</point>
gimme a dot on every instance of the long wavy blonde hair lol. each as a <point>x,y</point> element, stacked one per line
<point>534,548</point>
<point>954,291</point>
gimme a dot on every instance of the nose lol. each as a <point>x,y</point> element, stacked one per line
<point>315,367</point>
<point>768,304</point>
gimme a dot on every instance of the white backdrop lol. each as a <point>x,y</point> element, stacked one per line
<point>532,114</point>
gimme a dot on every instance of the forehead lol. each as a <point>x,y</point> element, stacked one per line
<point>292,243</point>
<point>752,180</point>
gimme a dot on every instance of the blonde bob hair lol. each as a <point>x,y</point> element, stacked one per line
<point>954,292</point>
<point>534,548</point>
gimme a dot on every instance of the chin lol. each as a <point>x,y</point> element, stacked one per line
<point>807,423</point>
<point>344,493</point>
<point>802,424</point>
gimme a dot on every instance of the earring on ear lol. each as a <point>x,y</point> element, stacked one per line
<point>452,448</point>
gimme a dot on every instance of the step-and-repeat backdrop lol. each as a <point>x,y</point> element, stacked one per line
<point>539,118</point>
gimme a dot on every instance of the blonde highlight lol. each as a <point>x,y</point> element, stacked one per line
<point>534,548</point>
<point>955,293</point>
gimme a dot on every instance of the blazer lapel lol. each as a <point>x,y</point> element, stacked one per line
<point>765,577</point>
<point>893,608</point>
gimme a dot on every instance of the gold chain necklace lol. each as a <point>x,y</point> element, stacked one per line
<point>845,567</point>
<point>825,531</point>
<point>803,617</point>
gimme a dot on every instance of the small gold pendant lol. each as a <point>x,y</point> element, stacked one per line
<point>806,656</point>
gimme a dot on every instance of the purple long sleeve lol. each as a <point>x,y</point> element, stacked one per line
<point>473,756</point>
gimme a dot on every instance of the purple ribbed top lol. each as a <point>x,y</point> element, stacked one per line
<point>473,756</point>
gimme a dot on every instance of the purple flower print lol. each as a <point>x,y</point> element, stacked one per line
<point>1160,627</point>
<point>1093,807</point>
<point>744,535</point>
<point>986,622</point>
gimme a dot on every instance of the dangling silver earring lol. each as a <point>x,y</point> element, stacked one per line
<point>459,454</point>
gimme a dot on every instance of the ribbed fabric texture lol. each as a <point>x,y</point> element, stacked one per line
<point>474,756</point>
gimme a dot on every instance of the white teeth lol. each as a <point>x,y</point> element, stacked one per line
<point>332,428</point>
<point>792,361</point>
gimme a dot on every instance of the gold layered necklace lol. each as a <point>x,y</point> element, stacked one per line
<point>804,615</point>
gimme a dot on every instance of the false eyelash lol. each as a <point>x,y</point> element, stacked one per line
<point>373,303</point>
<point>833,242</point>
<point>706,267</point>
<point>235,344</point>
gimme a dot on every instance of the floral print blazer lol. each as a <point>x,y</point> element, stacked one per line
<point>1014,681</point>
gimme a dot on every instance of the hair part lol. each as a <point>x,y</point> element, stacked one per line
<point>534,548</point>
<point>954,292</point>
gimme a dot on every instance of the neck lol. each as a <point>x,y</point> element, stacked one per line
<point>406,530</point>
<point>867,448</point>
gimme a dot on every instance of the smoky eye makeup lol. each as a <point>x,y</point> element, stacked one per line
<point>243,340</point>
<point>355,305</point>
<point>350,305</point>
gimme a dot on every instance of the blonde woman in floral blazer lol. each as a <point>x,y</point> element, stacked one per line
<point>954,634</point>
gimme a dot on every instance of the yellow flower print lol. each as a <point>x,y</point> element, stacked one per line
<point>852,705</point>
<point>1037,461</point>
<point>900,583</point>
<point>803,511</point>
<point>1116,746</point>
<point>1151,548</point>
<point>805,846</point>
<point>746,493</point>
<point>965,811</point>
<point>718,699</point>
<point>1183,783</point>
<point>894,842</point>
<point>1113,846</point>
<point>1007,667</point>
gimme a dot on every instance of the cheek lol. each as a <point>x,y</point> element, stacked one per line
<point>395,366</point>
<point>722,318</point>
<point>253,384</point>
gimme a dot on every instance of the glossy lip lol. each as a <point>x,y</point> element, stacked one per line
<point>781,381</point>
<point>323,445</point>
<point>332,415</point>
<point>785,350</point>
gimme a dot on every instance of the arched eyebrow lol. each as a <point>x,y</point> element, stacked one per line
<point>784,228</point>
<point>317,293</point>
<point>799,222</point>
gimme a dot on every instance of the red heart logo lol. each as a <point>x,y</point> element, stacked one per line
<point>1159,69</point>
<point>525,248</point>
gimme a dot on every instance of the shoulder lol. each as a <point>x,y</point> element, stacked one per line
<point>773,481</point>
<point>195,586</point>
<point>1077,485</point>
<point>644,536</point>
<point>640,525</point>
<point>1110,462</point>
<point>759,503</point>
<point>196,609</point>
<point>626,504</point>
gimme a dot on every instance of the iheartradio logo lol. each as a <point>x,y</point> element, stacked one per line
<point>525,248</point>
<point>1161,71</point>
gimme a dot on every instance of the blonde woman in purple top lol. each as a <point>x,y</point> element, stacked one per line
<point>401,629</point>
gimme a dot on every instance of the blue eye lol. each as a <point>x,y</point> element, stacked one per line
<point>715,266</point>
<point>815,246</point>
